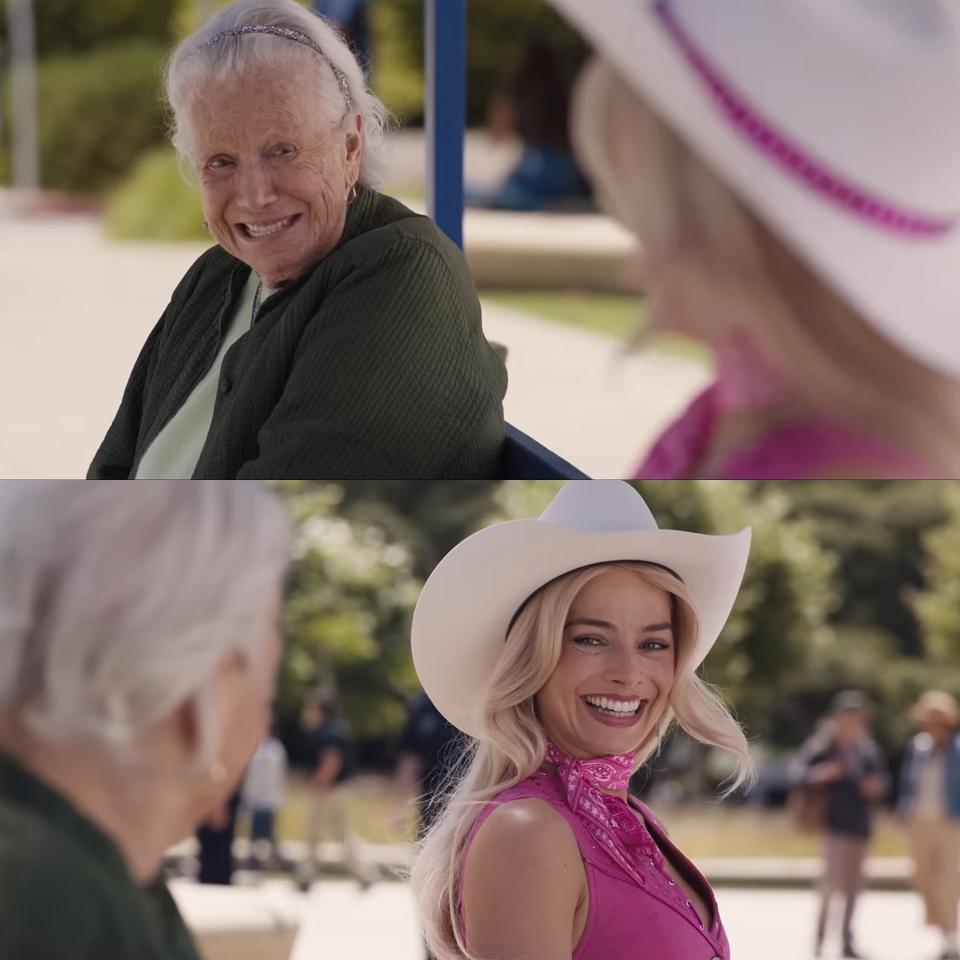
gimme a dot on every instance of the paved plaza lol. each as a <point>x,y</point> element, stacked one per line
<point>78,307</point>
<point>380,924</point>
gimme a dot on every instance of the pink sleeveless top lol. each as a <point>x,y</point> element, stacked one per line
<point>625,920</point>
<point>796,451</point>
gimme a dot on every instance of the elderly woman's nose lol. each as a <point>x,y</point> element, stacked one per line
<point>255,187</point>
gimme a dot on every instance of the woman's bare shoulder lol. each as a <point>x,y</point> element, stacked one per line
<point>526,834</point>
<point>523,883</point>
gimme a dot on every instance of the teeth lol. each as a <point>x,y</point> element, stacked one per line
<point>266,229</point>
<point>615,706</point>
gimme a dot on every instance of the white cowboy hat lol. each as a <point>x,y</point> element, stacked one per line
<point>835,120</point>
<point>461,619</point>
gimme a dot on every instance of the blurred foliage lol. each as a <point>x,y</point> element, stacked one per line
<point>155,202</point>
<point>851,584</point>
<point>497,31</point>
<point>79,26</point>
<point>100,68</point>
<point>362,552</point>
<point>347,619</point>
<point>98,113</point>
<point>937,600</point>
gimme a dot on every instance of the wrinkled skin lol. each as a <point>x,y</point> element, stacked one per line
<point>268,158</point>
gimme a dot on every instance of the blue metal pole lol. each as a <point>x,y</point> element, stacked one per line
<point>446,106</point>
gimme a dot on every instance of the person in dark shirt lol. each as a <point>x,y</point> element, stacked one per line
<point>427,752</point>
<point>845,767</point>
<point>330,764</point>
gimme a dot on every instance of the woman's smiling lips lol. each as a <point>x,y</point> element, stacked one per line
<point>268,229</point>
<point>615,710</point>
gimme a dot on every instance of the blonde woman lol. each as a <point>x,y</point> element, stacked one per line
<point>139,642</point>
<point>806,231</point>
<point>566,646</point>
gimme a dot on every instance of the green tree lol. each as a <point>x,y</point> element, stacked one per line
<point>937,604</point>
<point>347,618</point>
<point>79,26</point>
<point>496,33</point>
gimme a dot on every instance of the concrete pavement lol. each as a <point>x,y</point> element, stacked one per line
<point>338,920</point>
<point>78,307</point>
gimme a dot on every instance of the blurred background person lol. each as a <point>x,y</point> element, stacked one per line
<point>427,754</point>
<point>215,838</point>
<point>929,803</point>
<point>328,749</point>
<point>134,687</point>
<point>792,227</point>
<point>846,764</point>
<point>262,797</point>
<point>351,18</point>
<point>533,107</point>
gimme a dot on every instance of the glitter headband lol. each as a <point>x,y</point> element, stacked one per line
<point>289,34</point>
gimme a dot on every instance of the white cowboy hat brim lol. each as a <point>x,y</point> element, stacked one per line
<point>906,287</point>
<point>461,619</point>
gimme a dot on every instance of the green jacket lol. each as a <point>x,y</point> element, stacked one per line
<point>65,891</point>
<point>373,364</point>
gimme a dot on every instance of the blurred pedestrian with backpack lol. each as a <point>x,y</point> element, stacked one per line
<point>844,764</point>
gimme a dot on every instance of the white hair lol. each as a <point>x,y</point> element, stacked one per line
<point>118,600</point>
<point>191,70</point>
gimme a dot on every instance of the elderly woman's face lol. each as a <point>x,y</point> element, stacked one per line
<point>275,176</point>
<point>616,668</point>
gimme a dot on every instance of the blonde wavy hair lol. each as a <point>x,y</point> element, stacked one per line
<point>711,268</point>
<point>514,742</point>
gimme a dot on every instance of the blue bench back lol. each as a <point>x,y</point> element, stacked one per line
<point>522,458</point>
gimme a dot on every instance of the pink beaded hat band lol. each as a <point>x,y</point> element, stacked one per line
<point>835,122</point>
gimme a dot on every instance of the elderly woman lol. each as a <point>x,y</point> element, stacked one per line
<point>807,232</point>
<point>930,805</point>
<point>843,762</point>
<point>332,333</point>
<point>584,633</point>
<point>135,685</point>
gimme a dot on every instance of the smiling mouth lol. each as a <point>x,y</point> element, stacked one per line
<point>263,231</point>
<point>608,707</point>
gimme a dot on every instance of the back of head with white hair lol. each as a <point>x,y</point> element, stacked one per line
<point>193,67</point>
<point>119,600</point>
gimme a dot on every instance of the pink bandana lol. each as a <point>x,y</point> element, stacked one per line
<point>611,821</point>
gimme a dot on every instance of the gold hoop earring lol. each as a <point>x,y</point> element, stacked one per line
<point>351,194</point>
<point>206,226</point>
<point>217,773</point>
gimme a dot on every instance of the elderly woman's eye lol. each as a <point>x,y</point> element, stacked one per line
<point>217,163</point>
<point>284,150</point>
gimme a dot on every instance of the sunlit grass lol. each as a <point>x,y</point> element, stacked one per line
<point>613,315</point>
<point>704,831</point>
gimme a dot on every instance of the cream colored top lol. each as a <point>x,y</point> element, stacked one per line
<point>174,452</point>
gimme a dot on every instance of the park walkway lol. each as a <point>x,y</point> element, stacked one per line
<point>337,920</point>
<point>77,308</point>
